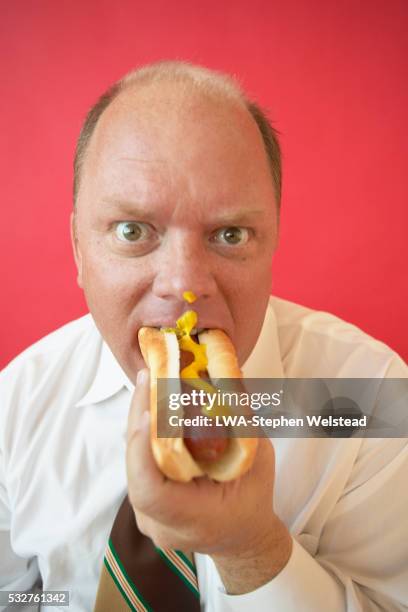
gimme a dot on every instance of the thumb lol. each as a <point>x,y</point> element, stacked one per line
<point>142,472</point>
<point>139,413</point>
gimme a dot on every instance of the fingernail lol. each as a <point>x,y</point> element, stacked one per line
<point>141,377</point>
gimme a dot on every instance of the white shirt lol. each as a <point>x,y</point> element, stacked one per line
<point>64,404</point>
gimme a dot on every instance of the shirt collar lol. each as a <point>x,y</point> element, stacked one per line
<point>264,362</point>
<point>109,379</point>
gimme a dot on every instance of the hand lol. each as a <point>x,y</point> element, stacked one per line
<point>234,522</point>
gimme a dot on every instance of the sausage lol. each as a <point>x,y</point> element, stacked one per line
<point>202,446</point>
<point>206,450</point>
<point>186,357</point>
<point>201,443</point>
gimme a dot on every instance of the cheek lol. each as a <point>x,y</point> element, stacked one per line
<point>246,288</point>
<point>112,281</point>
<point>247,281</point>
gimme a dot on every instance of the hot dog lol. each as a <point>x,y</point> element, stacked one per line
<point>202,447</point>
<point>187,456</point>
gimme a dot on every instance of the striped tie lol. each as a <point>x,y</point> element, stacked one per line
<point>136,575</point>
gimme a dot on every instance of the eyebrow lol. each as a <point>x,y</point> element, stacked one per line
<point>134,209</point>
<point>241,214</point>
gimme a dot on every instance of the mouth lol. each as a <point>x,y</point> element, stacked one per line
<point>194,332</point>
<point>170,327</point>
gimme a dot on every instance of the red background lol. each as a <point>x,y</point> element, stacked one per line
<point>332,74</point>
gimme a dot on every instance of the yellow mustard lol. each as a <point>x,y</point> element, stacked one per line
<point>189,297</point>
<point>184,325</point>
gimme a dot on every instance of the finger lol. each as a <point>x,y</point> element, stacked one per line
<point>144,477</point>
<point>139,413</point>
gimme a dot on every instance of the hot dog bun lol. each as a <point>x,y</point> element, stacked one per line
<point>160,350</point>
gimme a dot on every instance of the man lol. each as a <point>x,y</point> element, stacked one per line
<point>177,188</point>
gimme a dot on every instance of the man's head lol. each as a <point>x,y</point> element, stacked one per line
<point>177,188</point>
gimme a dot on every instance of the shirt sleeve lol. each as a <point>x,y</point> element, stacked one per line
<point>361,558</point>
<point>16,573</point>
<point>293,589</point>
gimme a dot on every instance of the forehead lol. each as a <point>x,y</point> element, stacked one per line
<point>162,138</point>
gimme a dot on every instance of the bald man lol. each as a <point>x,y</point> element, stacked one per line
<point>177,187</point>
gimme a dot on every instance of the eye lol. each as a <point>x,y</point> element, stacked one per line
<point>232,236</point>
<point>131,231</point>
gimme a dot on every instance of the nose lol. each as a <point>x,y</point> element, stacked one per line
<point>183,265</point>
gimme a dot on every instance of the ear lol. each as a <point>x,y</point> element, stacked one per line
<point>76,250</point>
